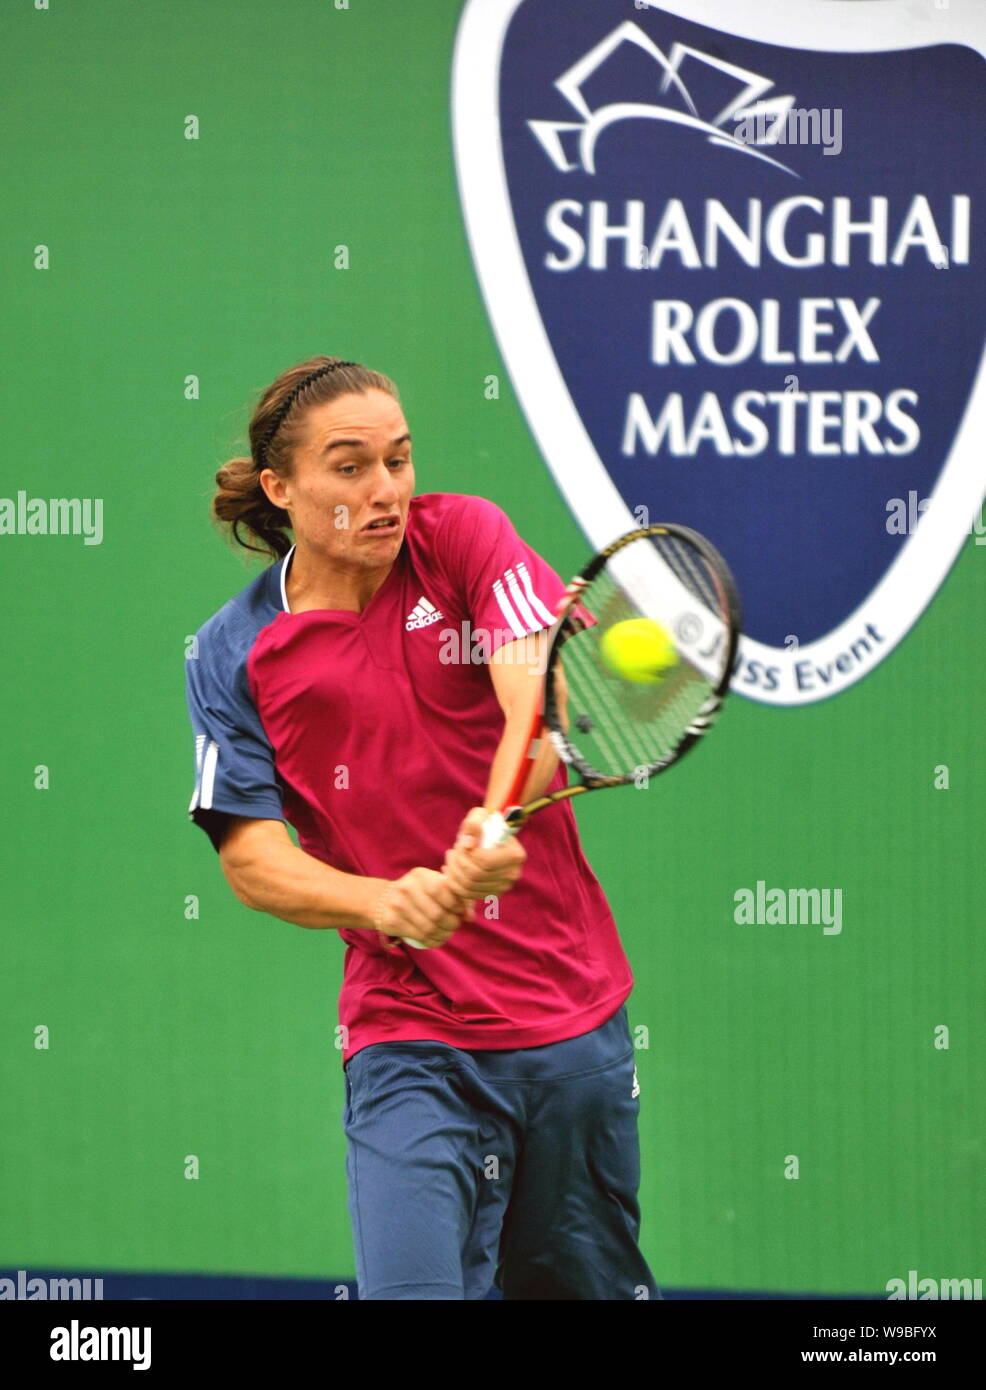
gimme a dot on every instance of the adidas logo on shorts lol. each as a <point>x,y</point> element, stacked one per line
<point>423,614</point>
<point>636,1086</point>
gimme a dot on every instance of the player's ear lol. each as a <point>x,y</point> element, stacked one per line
<point>276,488</point>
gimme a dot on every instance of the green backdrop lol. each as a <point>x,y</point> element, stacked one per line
<point>212,260</point>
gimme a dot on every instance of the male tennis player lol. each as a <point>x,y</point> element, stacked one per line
<point>374,688</point>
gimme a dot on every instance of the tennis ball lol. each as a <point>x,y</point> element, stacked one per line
<point>639,650</point>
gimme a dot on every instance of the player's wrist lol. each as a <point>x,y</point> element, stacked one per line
<point>383,895</point>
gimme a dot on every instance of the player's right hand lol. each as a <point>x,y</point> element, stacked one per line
<point>421,905</point>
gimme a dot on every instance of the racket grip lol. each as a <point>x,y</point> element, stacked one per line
<point>418,945</point>
<point>496,831</point>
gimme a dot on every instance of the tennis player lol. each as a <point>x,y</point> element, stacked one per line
<point>373,688</point>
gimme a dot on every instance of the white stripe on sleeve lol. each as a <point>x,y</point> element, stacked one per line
<point>523,607</point>
<point>209,776</point>
<point>199,747</point>
<point>505,608</point>
<point>535,602</point>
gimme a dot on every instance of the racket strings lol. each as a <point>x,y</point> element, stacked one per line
<point>595,718</point>
<point>617,725</point>
<point>691,570</point>
<point>624,732</point>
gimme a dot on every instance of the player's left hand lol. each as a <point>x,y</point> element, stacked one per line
<point>477,873</point>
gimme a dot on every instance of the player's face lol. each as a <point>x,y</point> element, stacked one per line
<point>353,480</point>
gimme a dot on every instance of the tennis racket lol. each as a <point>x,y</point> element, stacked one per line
<point>639,662</point>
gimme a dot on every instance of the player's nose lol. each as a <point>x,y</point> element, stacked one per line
<point>384,488</point>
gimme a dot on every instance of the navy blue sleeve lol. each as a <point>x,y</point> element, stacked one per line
<point>234,762</point>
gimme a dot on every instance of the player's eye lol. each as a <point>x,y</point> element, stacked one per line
<point>349,469</point>
<point>398,462</point>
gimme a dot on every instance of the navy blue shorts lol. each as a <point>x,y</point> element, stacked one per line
<point>520,1169</point>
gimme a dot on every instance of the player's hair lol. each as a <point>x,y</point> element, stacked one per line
<point>240,502</point>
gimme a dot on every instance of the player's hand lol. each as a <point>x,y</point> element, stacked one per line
<point>479,873</point>
<point>423,905</point>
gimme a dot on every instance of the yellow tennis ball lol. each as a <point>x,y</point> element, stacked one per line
<point>639,650</point>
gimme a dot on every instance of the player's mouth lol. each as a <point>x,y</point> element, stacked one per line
<point>382,526</point>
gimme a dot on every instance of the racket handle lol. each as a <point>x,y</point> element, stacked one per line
<point>418,945</point>
<point>496,831</point>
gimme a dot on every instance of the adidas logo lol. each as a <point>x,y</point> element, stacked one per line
<point>423,614</point>
<point>636,1086</point>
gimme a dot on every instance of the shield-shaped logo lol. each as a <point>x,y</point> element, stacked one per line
<point>733,256</point>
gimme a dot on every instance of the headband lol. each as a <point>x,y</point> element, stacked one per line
<point>286,405</point>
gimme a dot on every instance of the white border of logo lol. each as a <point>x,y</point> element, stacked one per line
<point>830,26</point>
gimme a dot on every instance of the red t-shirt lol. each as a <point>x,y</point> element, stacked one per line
<point>372,734</point>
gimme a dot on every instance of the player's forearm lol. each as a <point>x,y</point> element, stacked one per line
<point>519,682</point>
<point>513,746</point>
<point>292,885</point>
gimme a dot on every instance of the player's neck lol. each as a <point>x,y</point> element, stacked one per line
<point>310,585</point>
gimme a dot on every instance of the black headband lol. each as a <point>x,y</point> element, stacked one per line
<point>288,402</point>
